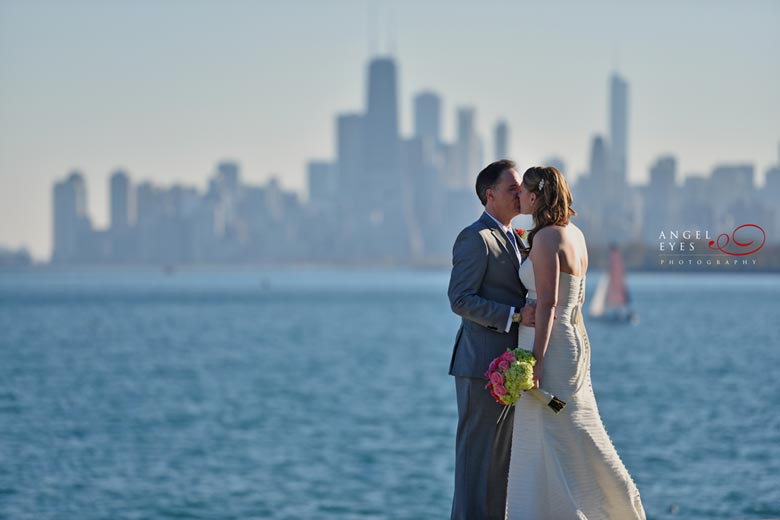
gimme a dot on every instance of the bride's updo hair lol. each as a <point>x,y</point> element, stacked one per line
<point>554,198</point>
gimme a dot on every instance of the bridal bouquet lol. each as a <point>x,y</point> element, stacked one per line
<point>512,373</point>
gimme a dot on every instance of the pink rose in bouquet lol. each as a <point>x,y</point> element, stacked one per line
<point>510,374</point>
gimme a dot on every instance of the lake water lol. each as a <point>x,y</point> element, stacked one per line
<point>324,394</point>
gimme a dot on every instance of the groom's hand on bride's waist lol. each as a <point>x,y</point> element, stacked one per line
<point>528,314</point>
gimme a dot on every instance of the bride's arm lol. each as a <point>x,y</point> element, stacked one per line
<point>546,273</point>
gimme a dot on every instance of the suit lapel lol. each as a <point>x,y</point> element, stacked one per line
<point>501,238</point>
<point>508,248</point>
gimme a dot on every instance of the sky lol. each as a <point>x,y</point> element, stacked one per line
<point>166,89</point>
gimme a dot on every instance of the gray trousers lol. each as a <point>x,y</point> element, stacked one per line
<point>482,451</point>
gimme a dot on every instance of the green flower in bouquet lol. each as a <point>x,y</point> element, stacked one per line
<point>510,374</point>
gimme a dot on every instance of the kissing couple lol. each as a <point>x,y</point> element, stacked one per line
<point>533,464</point>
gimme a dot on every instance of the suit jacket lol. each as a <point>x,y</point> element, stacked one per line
<point>484,285</point>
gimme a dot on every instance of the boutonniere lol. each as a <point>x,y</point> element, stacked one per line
<point>524,249</point>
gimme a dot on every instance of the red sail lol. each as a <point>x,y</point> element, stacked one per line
<point>617,294</point>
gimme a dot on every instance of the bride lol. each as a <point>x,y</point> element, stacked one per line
<point>562,466</point>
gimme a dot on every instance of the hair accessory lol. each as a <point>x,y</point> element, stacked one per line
<point>541,185</point>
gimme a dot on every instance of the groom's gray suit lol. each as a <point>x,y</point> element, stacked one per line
<point>484,286</point>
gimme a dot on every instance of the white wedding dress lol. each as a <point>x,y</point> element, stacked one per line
<point>564,466</point>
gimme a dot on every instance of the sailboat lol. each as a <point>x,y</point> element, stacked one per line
<point>611,300</point>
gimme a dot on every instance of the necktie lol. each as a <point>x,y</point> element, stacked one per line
<point>511,237</point>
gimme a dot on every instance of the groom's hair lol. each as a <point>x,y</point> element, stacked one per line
<point>488,177</point>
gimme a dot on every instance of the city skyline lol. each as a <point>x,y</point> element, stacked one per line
<point>174,127</point>
<point>415,194</point>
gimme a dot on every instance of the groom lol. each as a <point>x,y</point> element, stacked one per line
<point>486,292</point>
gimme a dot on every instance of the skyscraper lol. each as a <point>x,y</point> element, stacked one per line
<point>322,185</point>
<point>599,164</point>
<point>427,118</point>
<point>149,205</point>
<point>590,193</point>
<point>71,223</point>
<point>661,205</point>
<point>469,148</point>
<point>731,186</point>
<point>556,162</point>
<point>382,115</point>
<point>618,133</point>
<point>385,234</point>
<point>501,141</point>
<point>770,194</point>
<point>121,212</point>
<point>229,175</point>
<point>621,216</point>
<point>119,239</point>
<point>225,188</point>
<point>350,162</point>
<point>663,172</point>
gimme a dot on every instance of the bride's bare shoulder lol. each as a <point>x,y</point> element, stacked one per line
<point>573,227</point>
<point>550,234</point>
<point>575,231</point>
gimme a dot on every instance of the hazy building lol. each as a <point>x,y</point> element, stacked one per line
<point>350,165</point>
<point>385,234</point>
<point>621,218</point>
<point>229,176</point>
<point>731,187</point>
<point>772,183</point>
<point>557,163</point>
<point>469,148</point>
<point>501,139</point>
<point>770,195</point>
<point>421,196</point>
<point>661,204</point>
<point>170,238</point>
<point>427,117</point>
<point>14,258</point>
<point>599,164</point>
<point>732,182</point>
<point>225,190</point>
<point>71,222</point>
<point>121,201</point>
<point>350,156</point>
<point>696,210</point>
<point>450,172</point>
<point>618,133</point>
<point>150,209</point>
<point>120,238</point>
<point>149,206</point>
<point>381,130</point>
<point>738,202</point>
<point>322,185</point>
<point>588,192</point>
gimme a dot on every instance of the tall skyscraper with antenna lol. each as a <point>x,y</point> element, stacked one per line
<point>618,131</point>
<point>382,115</point>
<point>621,216</point>
<point>383,204</point>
